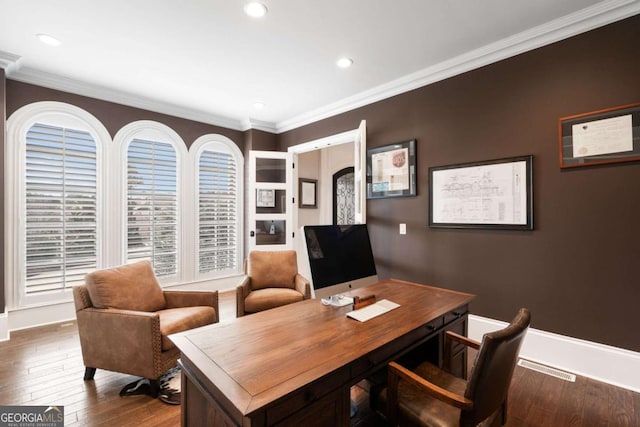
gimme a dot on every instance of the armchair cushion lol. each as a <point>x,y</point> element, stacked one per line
<point>128,287</point>
<point>272,269</point>
<point>174,320</point>
<point>264,299</point>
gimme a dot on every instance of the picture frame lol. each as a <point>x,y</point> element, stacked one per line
<point>307,193</point>
<point>265,198</point>
<point>391,170</point>
<point>600,137</point>
<point>492,194</point>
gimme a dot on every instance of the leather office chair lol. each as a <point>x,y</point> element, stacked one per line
<point>429,396</point>
<point>272,281</point>
<point>125,318</point>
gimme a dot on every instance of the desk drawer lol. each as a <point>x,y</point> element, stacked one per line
<point>394,349</point>
<point>454,315</point>
<point>303,398</point>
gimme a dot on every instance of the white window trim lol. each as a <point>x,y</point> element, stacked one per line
<point>214,142</point>
<point>18,124</point>
<point>151,131</point>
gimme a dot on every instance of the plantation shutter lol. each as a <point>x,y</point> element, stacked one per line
<point>152,205</point>
<point>60,208</point>
<point>218,212</point>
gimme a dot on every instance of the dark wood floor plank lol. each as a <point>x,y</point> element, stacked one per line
<point>543,411</point>
<point>524,390</point>
<point>621,408</point>
<point>596,400</point>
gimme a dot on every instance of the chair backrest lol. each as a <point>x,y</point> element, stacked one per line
<point>127,287</point>
<point>272,269</point>
<point>493,369</point>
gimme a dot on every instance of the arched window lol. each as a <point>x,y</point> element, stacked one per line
<point>219,166</point>
<point>54,192</point>
<point>151,193</point>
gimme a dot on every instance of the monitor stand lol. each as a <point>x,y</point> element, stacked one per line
<point>338,300</point>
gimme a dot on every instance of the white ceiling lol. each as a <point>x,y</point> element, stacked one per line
<point>206,60</point>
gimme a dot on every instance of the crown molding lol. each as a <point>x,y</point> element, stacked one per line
<point>258,125</point>
<point>54,81</point>
<point>8,61</point>
<point>587,19</point>
<point>582,21</point>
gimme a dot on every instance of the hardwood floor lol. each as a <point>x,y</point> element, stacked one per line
<point>43,366</point>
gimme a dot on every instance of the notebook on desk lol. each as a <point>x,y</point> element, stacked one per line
<point>373,310</point>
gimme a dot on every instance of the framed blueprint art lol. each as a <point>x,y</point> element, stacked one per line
<point>495,194</point>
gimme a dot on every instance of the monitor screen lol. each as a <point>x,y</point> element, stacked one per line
<point>339,257</point>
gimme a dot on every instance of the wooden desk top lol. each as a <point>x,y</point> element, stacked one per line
<point>257,359</point>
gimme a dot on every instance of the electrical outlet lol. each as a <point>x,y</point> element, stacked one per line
<point>403,228</point>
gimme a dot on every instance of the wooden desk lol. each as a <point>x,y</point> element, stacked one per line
<point>294,365</point>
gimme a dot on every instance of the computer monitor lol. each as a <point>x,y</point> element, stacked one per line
<point>337,258</point>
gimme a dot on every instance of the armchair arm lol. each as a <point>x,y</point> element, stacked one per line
<point>452,336</point>
<point>397,371</point>
<point>177,299</point>
<point>242,290</point>
<point>302,285</point>
<point>120,340</point>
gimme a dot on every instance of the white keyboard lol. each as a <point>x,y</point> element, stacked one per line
<point>373,310</point>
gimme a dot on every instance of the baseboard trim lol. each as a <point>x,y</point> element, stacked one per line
<point>611,365</point>
<point>4,327</point>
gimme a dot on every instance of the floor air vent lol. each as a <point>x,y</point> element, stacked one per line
<point>547,370</point>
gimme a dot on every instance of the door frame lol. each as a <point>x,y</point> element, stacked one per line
<point>356,136</point>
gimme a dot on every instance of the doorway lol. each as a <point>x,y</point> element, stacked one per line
<point>344,197</point>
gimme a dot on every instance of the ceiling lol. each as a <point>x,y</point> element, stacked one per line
<point>208,61</point>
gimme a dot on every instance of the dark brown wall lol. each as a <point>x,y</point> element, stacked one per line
<point>260,140</point>
<point>113,116</point>
<point>3,132</point>
<point>578,270</point>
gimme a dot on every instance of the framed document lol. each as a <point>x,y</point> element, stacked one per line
<point>308,193</point>
<point>265,198</point>
<point>599,137</point>
<point>391,170</point>
<point>494,194</point>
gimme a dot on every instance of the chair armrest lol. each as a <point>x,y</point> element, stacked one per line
<point>120,340</point>
<point>302,285</point>
<point>452,336</point>
<point>178,299</point>
<point>398,371</point>
<point>242,290</point>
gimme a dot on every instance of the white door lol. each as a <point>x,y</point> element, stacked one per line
<point>360,173</point>
<point>270,201</point>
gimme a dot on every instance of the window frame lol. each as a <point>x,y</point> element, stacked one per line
<point>157,132</point>
<point>18,125</point>
<point>218,143</point>
<point>111,205</point>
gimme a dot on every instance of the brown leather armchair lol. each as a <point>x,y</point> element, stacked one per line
<point>125,318</point>
<point>429,396</point>
<point>272,280</point>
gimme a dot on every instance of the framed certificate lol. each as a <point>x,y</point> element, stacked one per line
<point>391,170</point>
<point>600,137</point>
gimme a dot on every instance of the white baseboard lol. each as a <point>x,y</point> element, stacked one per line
<point>600,362</point>
<point>4,327</point>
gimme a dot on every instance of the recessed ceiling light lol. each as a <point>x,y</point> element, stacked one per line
<point>344,62</point>
<point>47,39</point>
<point>255,9</point>
<point>258,105</point>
